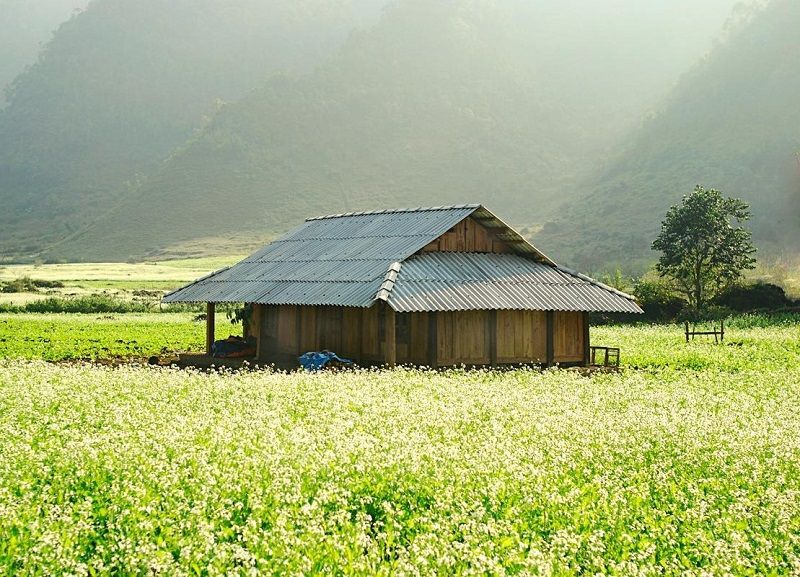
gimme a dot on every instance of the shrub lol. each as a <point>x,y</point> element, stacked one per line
<point>21,285</point>
<point>48,284</point>
<point>756,296</point>
<point>87,304</point>
<point>658,300</point>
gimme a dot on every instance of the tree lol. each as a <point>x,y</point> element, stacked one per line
<point>702,251</point>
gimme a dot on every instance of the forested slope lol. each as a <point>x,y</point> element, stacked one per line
<point>506,102</point>
<point>124,83</point>
<point>733,123</point>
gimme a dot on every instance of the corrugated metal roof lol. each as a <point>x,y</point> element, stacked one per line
<point>338,260</point>
<point>355,259</point>
<point>462,281</point>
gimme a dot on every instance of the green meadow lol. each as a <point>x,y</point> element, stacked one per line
<point>685,462</point>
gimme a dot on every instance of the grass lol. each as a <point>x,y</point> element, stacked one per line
<point>56,337</point>
<point>690,465</point>
<point>179,270</point>
<point>142,471</point>
<point>749,340</point>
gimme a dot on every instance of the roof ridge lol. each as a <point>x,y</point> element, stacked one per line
<point>396,210</point>
<point>389,281</point>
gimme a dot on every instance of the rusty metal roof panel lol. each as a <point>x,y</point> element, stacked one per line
<point>461,281</point>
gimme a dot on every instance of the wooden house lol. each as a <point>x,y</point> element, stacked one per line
<point>436,287</point>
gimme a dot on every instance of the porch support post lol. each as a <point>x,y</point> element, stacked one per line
<point>551,321</point>
<point>586,343</point>
<point>211,310</point>
<point>390,338</point>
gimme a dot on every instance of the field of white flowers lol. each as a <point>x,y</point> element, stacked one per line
<point>684,466</point>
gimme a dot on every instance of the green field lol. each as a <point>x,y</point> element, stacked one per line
<point>119,280</point>
<point>688,464</point>
<point>55,337</point>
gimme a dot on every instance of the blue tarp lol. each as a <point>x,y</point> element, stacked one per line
<point>318,361</point>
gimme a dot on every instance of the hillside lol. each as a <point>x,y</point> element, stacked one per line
<point>732,124</point>
<point>506,103</point>
<point>25,27</point>
<point>124,83</point>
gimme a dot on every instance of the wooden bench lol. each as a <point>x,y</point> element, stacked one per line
<point>719,335</point>
<point>609,356</point>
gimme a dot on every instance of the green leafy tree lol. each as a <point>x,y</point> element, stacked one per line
<point>701,250</point>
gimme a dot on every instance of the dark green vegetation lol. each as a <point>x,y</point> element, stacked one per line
<point>704,249</point>
<point>731,123</point>
<point>114,145</point>
<point>28,285</point>
<point>85,304</point>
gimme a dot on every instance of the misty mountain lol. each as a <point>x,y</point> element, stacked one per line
<point>123,84</point>
<point>25,27</point>
<point>503,102</point>
<point>733,123</point>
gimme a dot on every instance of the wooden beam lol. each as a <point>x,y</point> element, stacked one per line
<point>360,344</point>
<point>493,337</point>
<point>390,338</point>
<point>551,321</point>
<point>211,309</point>
<point>256,323</point>
<point>586,344</point>
<point>433,340</point>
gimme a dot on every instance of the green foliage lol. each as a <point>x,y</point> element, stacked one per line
<point>57,337</point>
<point>688,467</point>
<point>21,285</point>
<point>28,285</point>
<point>700,250</point>
<point>658,300</point>
<point>754,296</point>
<point>87,304</point>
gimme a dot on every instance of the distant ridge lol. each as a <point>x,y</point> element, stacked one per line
<point>733,123</point>
<point>438,103</point>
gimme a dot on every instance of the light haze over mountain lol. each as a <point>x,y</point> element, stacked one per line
<point>25,27</point>
<point>152,125</point>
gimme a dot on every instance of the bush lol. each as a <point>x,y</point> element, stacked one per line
<point>756,296</point>
<point>658,300</point>
<point>27,285</point>
<point>48,284</point>
<point>21,285</point>
<point>88,304</point>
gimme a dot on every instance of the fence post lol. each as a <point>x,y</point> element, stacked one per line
<point>687,330</point>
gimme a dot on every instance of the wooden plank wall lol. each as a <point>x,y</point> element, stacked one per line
<point>521,337</point>
<point>287,332</point>
<point>468,337</point>
<point>568,332</point>
<point>468,236</point>
<point>463,338</point>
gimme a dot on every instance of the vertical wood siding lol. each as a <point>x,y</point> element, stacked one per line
<point>569,337</point>
<point>462,337</point>
<point>468,236</point>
